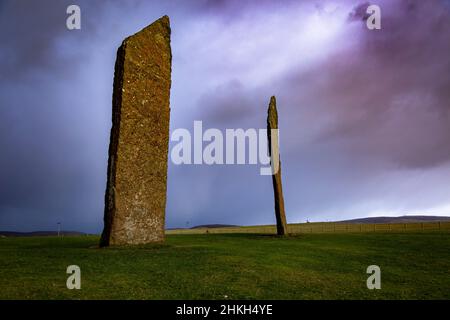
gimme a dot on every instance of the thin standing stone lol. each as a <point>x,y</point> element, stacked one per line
<point>272,123</point>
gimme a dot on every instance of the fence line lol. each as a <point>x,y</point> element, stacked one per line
<point>326,227</point>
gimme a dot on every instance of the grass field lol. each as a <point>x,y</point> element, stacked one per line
<point>231,266</point>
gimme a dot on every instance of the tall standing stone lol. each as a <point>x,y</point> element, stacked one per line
<point>135,198</point>
<point>272,123</point>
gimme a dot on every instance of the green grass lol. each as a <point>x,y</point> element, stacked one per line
<point>230,266</point>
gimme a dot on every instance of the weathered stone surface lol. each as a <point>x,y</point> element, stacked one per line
<point>135,198</point>
<point>272,123</point>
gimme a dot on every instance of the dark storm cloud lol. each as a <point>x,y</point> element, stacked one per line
<point>371,117</point>
<point>393,84</point>
<point>364,114</point>
<point>359,13</point>
<point>31,31</point>
<point>30,34</point>
<point>400,108</point>
<point>48,168</point>
<point>27,36</point>
<point>234,8</point>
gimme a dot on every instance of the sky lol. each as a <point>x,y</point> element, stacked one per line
<point>364,114</point>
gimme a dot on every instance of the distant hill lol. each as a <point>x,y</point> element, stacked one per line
<point>402,219</point>
<point>211,226</point>
<point>40,233</point>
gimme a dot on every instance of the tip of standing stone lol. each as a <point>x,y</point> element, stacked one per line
<point>161,25</point>
<point>272,114</point>
<point>273,100</point>
<point>164,21</point>
<point>272,104</point>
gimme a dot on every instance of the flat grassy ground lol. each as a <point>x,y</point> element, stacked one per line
<point>230,266</point>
